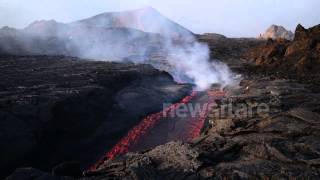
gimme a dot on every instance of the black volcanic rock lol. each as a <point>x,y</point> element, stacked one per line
<point>300,32</point>
<point>55,109</point>
<point>281,143</point>
<point>31,173</point>
<point>70,169</point>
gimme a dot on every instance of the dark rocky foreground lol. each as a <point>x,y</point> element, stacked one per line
<point>281,143</point>
<point>55,109</point>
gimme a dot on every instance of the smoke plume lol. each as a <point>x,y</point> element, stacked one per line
<point>139,36</point>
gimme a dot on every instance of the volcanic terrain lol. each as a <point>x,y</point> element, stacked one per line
<point>69,118</point>
<point>56,108</point>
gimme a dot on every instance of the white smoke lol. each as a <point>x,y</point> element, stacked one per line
<point>181,54</point>
<point>139,36</point>
<point>193,61</point>
<point>187,57</point>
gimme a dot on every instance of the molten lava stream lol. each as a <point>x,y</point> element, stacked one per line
<point>196,126</point>
<point>140,130</point>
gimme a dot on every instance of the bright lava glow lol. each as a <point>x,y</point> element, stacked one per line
<point>140,130</point>
<point>150,121</point>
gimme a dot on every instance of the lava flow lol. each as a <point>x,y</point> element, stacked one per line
<point>196,126</point>
<point>140,130</point>
<point>191,128</point>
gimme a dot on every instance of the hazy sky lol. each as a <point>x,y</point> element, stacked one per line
<point>229,17</point>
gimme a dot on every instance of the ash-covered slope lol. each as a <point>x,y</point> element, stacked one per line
<point>109,35</point>
<point>21,42</point>
<point>52,38</point>
<point>56,108</point>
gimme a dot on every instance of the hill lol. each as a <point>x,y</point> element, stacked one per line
<point>275,32</point>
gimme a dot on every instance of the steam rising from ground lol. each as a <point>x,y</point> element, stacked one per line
<point>192,60</point>
<point>187,56</point>
<point>188,59</point>
<point>139,36</point>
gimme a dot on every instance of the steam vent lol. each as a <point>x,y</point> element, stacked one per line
<point>182,92</point>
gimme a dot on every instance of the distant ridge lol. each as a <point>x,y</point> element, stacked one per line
<point>145,19</point>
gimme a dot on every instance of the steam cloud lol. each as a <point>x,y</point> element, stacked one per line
<point>188,59</point>
<point>193,61</point>
<point>139,36</point>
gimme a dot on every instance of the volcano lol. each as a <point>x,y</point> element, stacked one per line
<point>145,19</point>
<point>138,36</point>
<point>138,32</point>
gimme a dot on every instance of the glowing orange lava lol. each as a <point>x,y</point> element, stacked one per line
<point>150,121</point>
<point>140,130</point>
<point>198,123</point>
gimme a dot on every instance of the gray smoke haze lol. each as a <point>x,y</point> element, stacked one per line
<point>179,52</point>
<point>139,36</point>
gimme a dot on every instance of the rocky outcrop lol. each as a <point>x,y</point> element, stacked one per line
<point>271,52</point>
<point>300,33</point>
<point>55,109</point>
<point>171,160</point>
<point>276,32</point>
<point>298,56</point>
<point>269,145</point>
